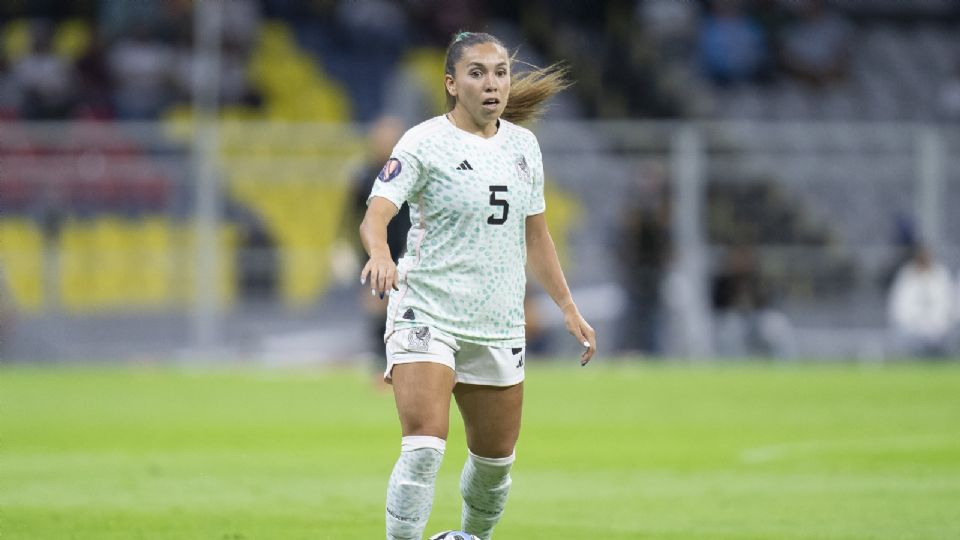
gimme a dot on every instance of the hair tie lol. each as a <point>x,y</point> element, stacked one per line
<point>460,36</point>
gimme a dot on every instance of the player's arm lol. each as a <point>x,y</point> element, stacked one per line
<point>373,233</point>
<point>545,267</point>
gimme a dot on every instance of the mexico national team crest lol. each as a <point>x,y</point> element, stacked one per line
<point>523,171</point>
<point>418,339</point>
<point>390,170</point>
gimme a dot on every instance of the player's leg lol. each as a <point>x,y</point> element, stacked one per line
<point>491,416</point>
<point>422,389</point>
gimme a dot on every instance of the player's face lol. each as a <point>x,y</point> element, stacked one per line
<point>482,82</point>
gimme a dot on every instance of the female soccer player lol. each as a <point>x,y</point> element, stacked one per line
<point>455,320</point>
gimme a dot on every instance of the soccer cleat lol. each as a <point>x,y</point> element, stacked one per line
<point>454,535</point>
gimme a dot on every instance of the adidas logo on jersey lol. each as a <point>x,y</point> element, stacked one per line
<point>464,166</point>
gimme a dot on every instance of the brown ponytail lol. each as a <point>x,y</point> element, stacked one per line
<point>528,91</point>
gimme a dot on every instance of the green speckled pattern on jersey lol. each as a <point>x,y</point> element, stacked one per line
<point>462,274</point>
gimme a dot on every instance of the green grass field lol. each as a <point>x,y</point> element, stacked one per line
<point>621,451</point>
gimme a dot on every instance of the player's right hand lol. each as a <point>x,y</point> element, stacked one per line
<point>382,273</point>
<point>580,329</point>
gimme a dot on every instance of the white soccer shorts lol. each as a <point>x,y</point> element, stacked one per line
<point>473,364</point>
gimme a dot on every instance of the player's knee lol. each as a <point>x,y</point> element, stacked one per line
<point>425,427</point>
<point>493,450</point>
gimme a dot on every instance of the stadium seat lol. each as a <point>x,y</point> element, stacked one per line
<point>76,286</point>
<point>183,264</point>
<point>426,64</point>
<point>154,251</point>
<point>110,278</point>
<point>177,122</point>
<point>284,171</point>
<point>21,255</point>
<point>293,82</point>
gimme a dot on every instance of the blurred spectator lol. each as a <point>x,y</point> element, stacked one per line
<point>233,83</point>
<point>746,323</point>
<point>241,22</point>
<point>732,46</point>
<point>290,9</point>
<point>633,73</point>
<point>735,293</point>
<point>163,20</point>
<point>667,22</point>
<point>9,90</point>
<point>371,36</point>
<point>382,137</point>
<point>258,268</point>
<point>45,79</point>
<point>93,77</point>
<point>903,241</point>
<point>142,71</point>
<point>950,95</point>
<point>439,19</point>
<point>644,257</point>
<point>921,306</point>
<point>381,22</point>
<point>772,17</point>
<point>816,46</point>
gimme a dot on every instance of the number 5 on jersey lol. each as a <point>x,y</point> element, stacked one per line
<point>502,203</point>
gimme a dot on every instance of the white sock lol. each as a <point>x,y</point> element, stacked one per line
<point>484,484</point>
<point>410,490</point>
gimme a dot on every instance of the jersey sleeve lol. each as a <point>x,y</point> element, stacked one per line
<point>401,177</point>
<point>537,202</point>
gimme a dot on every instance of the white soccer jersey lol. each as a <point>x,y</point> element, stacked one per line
<point>463,272</point>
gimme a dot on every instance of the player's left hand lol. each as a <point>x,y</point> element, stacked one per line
<point>579,329</point>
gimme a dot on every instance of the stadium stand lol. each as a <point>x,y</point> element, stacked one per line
<point>125,192</point>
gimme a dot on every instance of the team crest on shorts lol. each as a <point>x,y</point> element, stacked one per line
<point>390,170</point>
<point>418,339</point>
<point>523,171</point>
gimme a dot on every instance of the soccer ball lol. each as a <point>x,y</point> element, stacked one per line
<point>454,535</point>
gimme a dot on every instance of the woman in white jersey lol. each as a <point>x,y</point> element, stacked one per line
<point>455,321</point>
